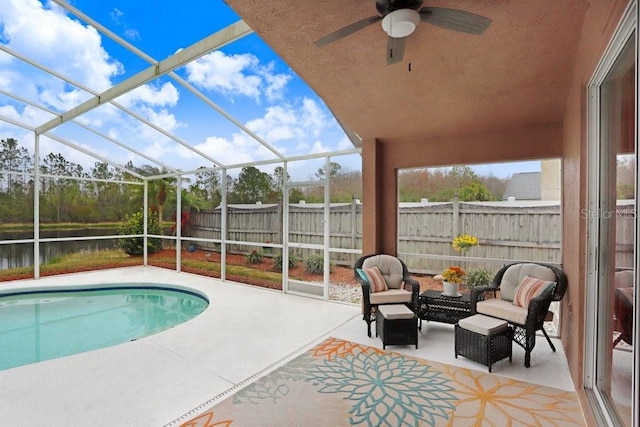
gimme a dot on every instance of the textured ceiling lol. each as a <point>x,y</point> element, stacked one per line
<point>517,73</point>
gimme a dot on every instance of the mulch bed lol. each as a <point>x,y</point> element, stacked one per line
<point>166,259</point>
<point>339,274</point>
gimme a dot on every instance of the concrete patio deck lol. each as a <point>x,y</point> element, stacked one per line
<point>245,331</point>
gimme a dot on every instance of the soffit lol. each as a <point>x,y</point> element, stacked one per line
<point>518,72</point>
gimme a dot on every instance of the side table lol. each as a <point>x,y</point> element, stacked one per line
<point>432,305</point>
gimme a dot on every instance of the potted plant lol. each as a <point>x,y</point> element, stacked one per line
<point>478,277</point>
<point>452,278</point>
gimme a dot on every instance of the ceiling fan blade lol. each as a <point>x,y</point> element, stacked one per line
<point>454,19</point>
<point>348,30</point>
<point>395,49</point>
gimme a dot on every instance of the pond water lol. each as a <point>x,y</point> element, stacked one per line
<point>17,255</point>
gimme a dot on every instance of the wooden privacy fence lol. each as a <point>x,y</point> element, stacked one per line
<point>506,230</point>
<point>263,224</point>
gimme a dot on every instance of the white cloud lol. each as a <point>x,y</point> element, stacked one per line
<point>239,74</point>
<point>345,143</point>
<point>116,17</point>
<point>26,115</point>
<point>290,129</point>
<point>291,125</point>
<point>225,74</point>
<point>278,124</point>
<point>319,147</point>
<point>274,83</point>
<point>116,14</point>
<point>240,149</point>
<point>163,119</point>
<point>10,112</point>
<point>147,101</point>
<point>151,95</point>
<point>55,95</point>
<point>46,34</point>
<point>313,119</point>
<point>132,34</point>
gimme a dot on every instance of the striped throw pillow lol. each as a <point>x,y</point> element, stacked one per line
<point>529,288</point>
<point>375,279</point>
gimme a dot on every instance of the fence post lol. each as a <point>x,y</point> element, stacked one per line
<point>278,238</point>
<point>354,222</point>
<point>456,217</point>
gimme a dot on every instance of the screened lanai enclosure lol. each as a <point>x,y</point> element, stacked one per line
<point>97,130</point>
<point>195,145</point>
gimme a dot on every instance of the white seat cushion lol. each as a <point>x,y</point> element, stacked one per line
<point>389,266</point>
<point>502,309</point>
<point>391,296</point>
<point>483,325</point>
<point>513,276</point>
<point>396,311</point>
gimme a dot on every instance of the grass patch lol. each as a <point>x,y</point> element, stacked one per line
<point>113,258</point>
<point>91,257</point>
<point>236,270</point>
<point>75,262</point>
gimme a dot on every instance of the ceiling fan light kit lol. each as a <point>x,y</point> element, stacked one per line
<point>400,18</point>
<point>400,23</point>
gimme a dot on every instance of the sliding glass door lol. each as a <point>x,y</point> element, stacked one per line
<point>612,353</point>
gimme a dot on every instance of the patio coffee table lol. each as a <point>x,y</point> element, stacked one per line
<point>434,306</point>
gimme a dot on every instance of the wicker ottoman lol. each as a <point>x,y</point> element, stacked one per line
<point>396,324</point>
<point>483,339</point>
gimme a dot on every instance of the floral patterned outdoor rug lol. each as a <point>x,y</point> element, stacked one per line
<point>340,383</point>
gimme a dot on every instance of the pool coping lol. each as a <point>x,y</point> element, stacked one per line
<point>158,379</point>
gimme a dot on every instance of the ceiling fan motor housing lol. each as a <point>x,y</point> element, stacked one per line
<point>385,7</point>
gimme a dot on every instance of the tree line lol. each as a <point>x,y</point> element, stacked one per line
<point>442,185</point>
<point>70,193</point>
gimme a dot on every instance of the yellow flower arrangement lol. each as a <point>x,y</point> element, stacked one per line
<point>453,274</point>
<point>464,242</point>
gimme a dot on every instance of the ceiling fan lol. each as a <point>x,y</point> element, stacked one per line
<point>400,18</point>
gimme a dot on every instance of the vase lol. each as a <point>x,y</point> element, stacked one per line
<point>450,289</point>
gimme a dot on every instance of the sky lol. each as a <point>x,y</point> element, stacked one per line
<point>245,78</point>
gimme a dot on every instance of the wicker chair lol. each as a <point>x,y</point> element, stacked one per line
<point>525,321</point>
<point>402,289</point>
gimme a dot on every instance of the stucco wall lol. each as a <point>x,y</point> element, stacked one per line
<point>567,139</point>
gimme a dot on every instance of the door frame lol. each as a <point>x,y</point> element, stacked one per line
<point>286,244</point>
<point>627,28</point>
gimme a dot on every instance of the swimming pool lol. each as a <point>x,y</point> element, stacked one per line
<point>43,325</point>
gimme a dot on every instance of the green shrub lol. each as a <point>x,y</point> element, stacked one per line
<point>314,264</point>
<point>134,224</point>
<point>254,257</point>
<point>478,277</point>
<point>277,262</point>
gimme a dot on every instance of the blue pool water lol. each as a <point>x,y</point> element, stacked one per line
<point>47,325</point>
